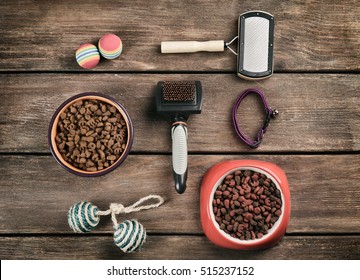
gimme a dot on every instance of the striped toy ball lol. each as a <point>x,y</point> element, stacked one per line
<point>87,56</point>
<point>129,236</point>
<point>110,46</point>
<point>82,217</point>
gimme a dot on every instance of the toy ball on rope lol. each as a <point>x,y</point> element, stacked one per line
<point>129,236</point>
<point>83,217</point>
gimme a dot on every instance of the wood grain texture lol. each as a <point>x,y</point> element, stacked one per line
<point>177,247</point>
<point>43,35</point>
<point>315,139</point>
<point>36,193</point>
<point>317,112</point>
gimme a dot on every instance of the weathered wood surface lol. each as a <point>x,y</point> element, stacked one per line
<point>36,193</point>
<point>182,247</point>
<point>43,35</point>
<point>315,139</point>
<point>317,112</point>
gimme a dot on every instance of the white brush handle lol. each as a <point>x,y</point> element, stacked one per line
<point>179,156</point>
<point>192,46</point>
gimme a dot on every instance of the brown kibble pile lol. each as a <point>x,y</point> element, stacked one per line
<point>247,204</point>
<point>91,135</point>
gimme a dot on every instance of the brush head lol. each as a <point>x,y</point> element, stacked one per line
<point>255,45</point>
<point>178,98</point>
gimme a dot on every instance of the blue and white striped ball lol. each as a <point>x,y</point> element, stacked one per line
<point>129,236</point>
<point>82,217</point>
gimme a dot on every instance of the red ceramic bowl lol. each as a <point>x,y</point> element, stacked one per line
<point>214,177</point>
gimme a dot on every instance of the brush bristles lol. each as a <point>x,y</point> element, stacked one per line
<point>183,91</point>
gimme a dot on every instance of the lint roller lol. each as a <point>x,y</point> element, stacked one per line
<point>179,99</point>
<point>255,45</point>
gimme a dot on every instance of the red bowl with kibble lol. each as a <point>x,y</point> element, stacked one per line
<point>245,204</point>
<point>90,134</point>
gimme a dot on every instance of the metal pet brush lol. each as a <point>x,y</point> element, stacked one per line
<point>179,99</point>
<point>255,45</point>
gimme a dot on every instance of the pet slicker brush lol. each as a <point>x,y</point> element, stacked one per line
<point>179,99</point>
<point>255,45</point>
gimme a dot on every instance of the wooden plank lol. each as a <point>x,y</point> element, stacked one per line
<point>36,193</point>
<point>317,112</point>
<point>309,36</point>
<point>177,247</point>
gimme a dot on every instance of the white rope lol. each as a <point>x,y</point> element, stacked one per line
<point>116,208</point>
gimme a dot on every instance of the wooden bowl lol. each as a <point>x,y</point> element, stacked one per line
<point>53,131</point>
<point>215,176</point>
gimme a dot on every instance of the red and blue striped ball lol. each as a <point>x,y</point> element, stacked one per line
<point>110,46</point>
<point>87,56</point>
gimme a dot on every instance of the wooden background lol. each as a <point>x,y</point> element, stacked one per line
<point>315,139</point>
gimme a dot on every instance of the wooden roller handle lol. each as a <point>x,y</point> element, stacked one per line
<point>192,46</point>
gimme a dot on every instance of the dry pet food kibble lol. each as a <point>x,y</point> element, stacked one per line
<point>91,135</point>
<point>247,204</point>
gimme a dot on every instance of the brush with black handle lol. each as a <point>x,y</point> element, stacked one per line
<point>179,99</point>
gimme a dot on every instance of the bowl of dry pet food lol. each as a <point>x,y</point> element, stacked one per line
<point>90,134</point>
<point>245,204</point>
